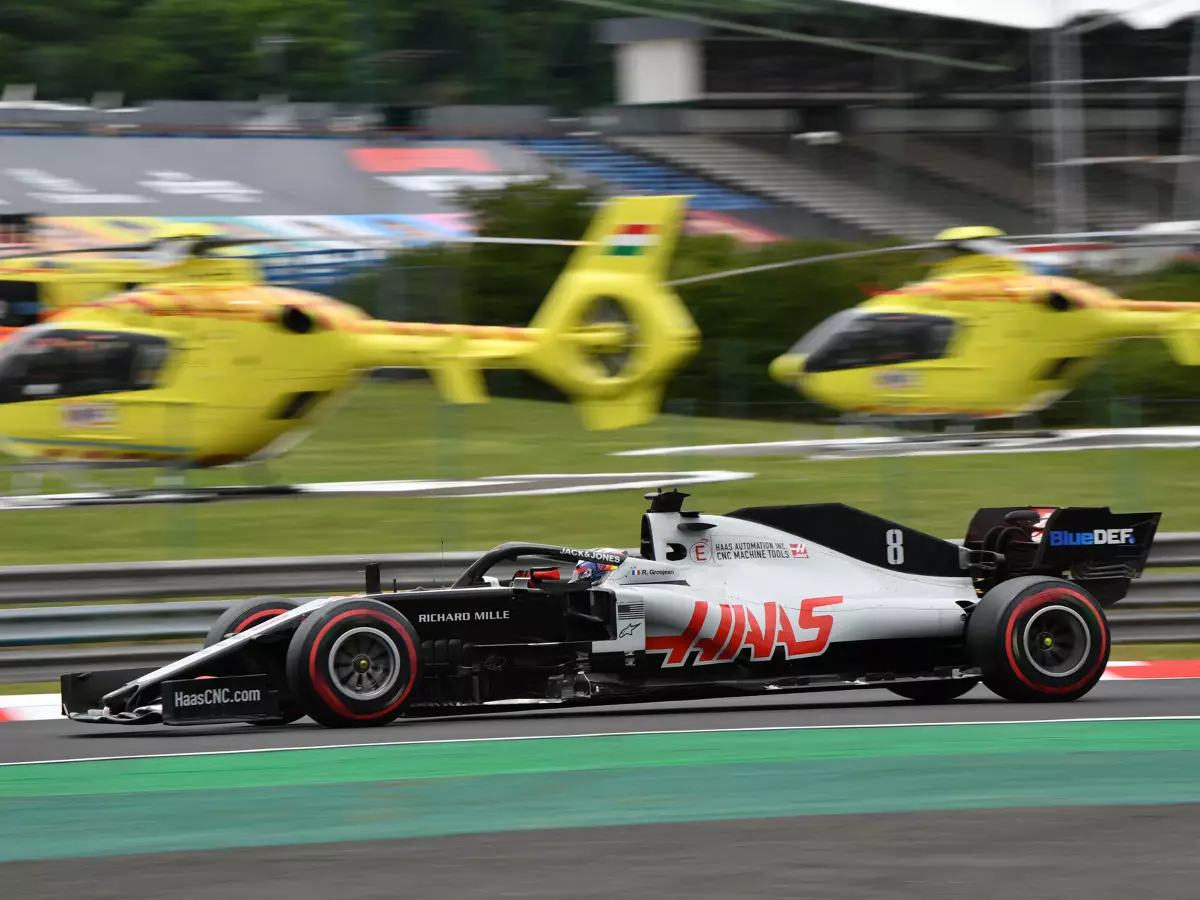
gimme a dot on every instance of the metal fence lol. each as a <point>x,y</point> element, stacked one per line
<point>53,623</point>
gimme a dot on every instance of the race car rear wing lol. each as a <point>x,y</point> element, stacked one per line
<point>1095,539</point>
<point>1101,550</point>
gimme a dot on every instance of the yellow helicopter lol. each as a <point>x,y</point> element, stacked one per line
<point>199,374</point>
<point>986,336</point>
<point>35,285</point>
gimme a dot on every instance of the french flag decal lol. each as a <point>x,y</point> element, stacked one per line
<point>631,240</point>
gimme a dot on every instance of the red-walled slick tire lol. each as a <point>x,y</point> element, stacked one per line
<point>354,663</point>
<point>246,614</point>
<point>1039,639</point>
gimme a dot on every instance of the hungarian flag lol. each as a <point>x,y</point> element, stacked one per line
<point>631,240</point>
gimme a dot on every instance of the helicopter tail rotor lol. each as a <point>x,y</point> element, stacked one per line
<point>610,333</point>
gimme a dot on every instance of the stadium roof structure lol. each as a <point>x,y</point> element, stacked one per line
<point>1041,14</point>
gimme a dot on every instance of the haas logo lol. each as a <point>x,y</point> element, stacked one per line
<point>739,628</point>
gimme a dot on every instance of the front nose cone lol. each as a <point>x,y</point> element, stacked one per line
<point>787,369</point>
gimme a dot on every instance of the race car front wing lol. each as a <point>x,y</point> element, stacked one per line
<point>238,698</point>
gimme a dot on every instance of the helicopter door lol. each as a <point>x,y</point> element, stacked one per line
<point>84,393</point>
<point>879,361</point>
<point>111,401</point>
<point>20,303</point>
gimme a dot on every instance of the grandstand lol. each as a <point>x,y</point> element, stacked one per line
<point>938,121</point>
<point>616,169</point>
<point>824,118</point>
<point>632,174</point>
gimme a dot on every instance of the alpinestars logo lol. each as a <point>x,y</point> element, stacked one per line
<point>629,629</point>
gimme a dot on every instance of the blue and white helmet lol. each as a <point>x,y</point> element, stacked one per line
<point>589,570</point>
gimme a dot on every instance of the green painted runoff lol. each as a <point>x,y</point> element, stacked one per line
<point>214,801</point>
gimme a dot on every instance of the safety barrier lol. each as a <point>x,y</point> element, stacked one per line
<point>49,625</point>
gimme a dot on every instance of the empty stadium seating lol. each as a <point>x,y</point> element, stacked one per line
<point>975,164</point>
<point>633,174</point>
<point>795,181</point>
<point>888,175</point>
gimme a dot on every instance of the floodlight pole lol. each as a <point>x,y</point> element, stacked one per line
<point>1187,192</point>
<point>1069,214</point>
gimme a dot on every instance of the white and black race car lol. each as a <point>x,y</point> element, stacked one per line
<point>764,599</point>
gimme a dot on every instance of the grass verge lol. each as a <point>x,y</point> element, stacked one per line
<point>401,431</point>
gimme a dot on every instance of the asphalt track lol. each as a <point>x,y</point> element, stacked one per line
<point>1049,851</point>
<point>61,740</point>
<point>1094,852</point>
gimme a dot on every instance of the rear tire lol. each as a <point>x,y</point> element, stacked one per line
<point>354,663</point>
<point>931,692</point>
<point>248,614</point>
<point>1039,640</point>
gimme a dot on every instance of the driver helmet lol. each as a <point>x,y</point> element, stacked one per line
<point>589,570</point>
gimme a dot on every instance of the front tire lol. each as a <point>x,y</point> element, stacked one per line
<point>931,692</point>
<point>247,614</point>
<point>1039,640</point>
<point>354,663</point>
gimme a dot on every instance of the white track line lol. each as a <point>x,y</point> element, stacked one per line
<point>603,734</point>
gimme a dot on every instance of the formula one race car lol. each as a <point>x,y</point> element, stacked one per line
<point>764,599</point>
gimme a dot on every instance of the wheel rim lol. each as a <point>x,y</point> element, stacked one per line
<point>364,663</point>
<point>1057,641</point>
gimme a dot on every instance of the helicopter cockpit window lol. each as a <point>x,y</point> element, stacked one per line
<point>19,302</point>
<point>818,336</point>
<point>43,364</point>
<point>881,339</point>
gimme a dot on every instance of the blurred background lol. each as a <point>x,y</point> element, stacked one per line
<point>367,140</point>
<point>796,127</point>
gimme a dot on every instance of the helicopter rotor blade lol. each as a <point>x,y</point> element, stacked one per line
<point>542,242</point>
<point>114,248</point>
<point>999,246</point>
<point>1193,235</point>
<point>216,243</point>
<point>803,261</point>
<point>202,246</point>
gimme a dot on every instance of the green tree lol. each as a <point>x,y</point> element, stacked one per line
<point>470,51</point>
